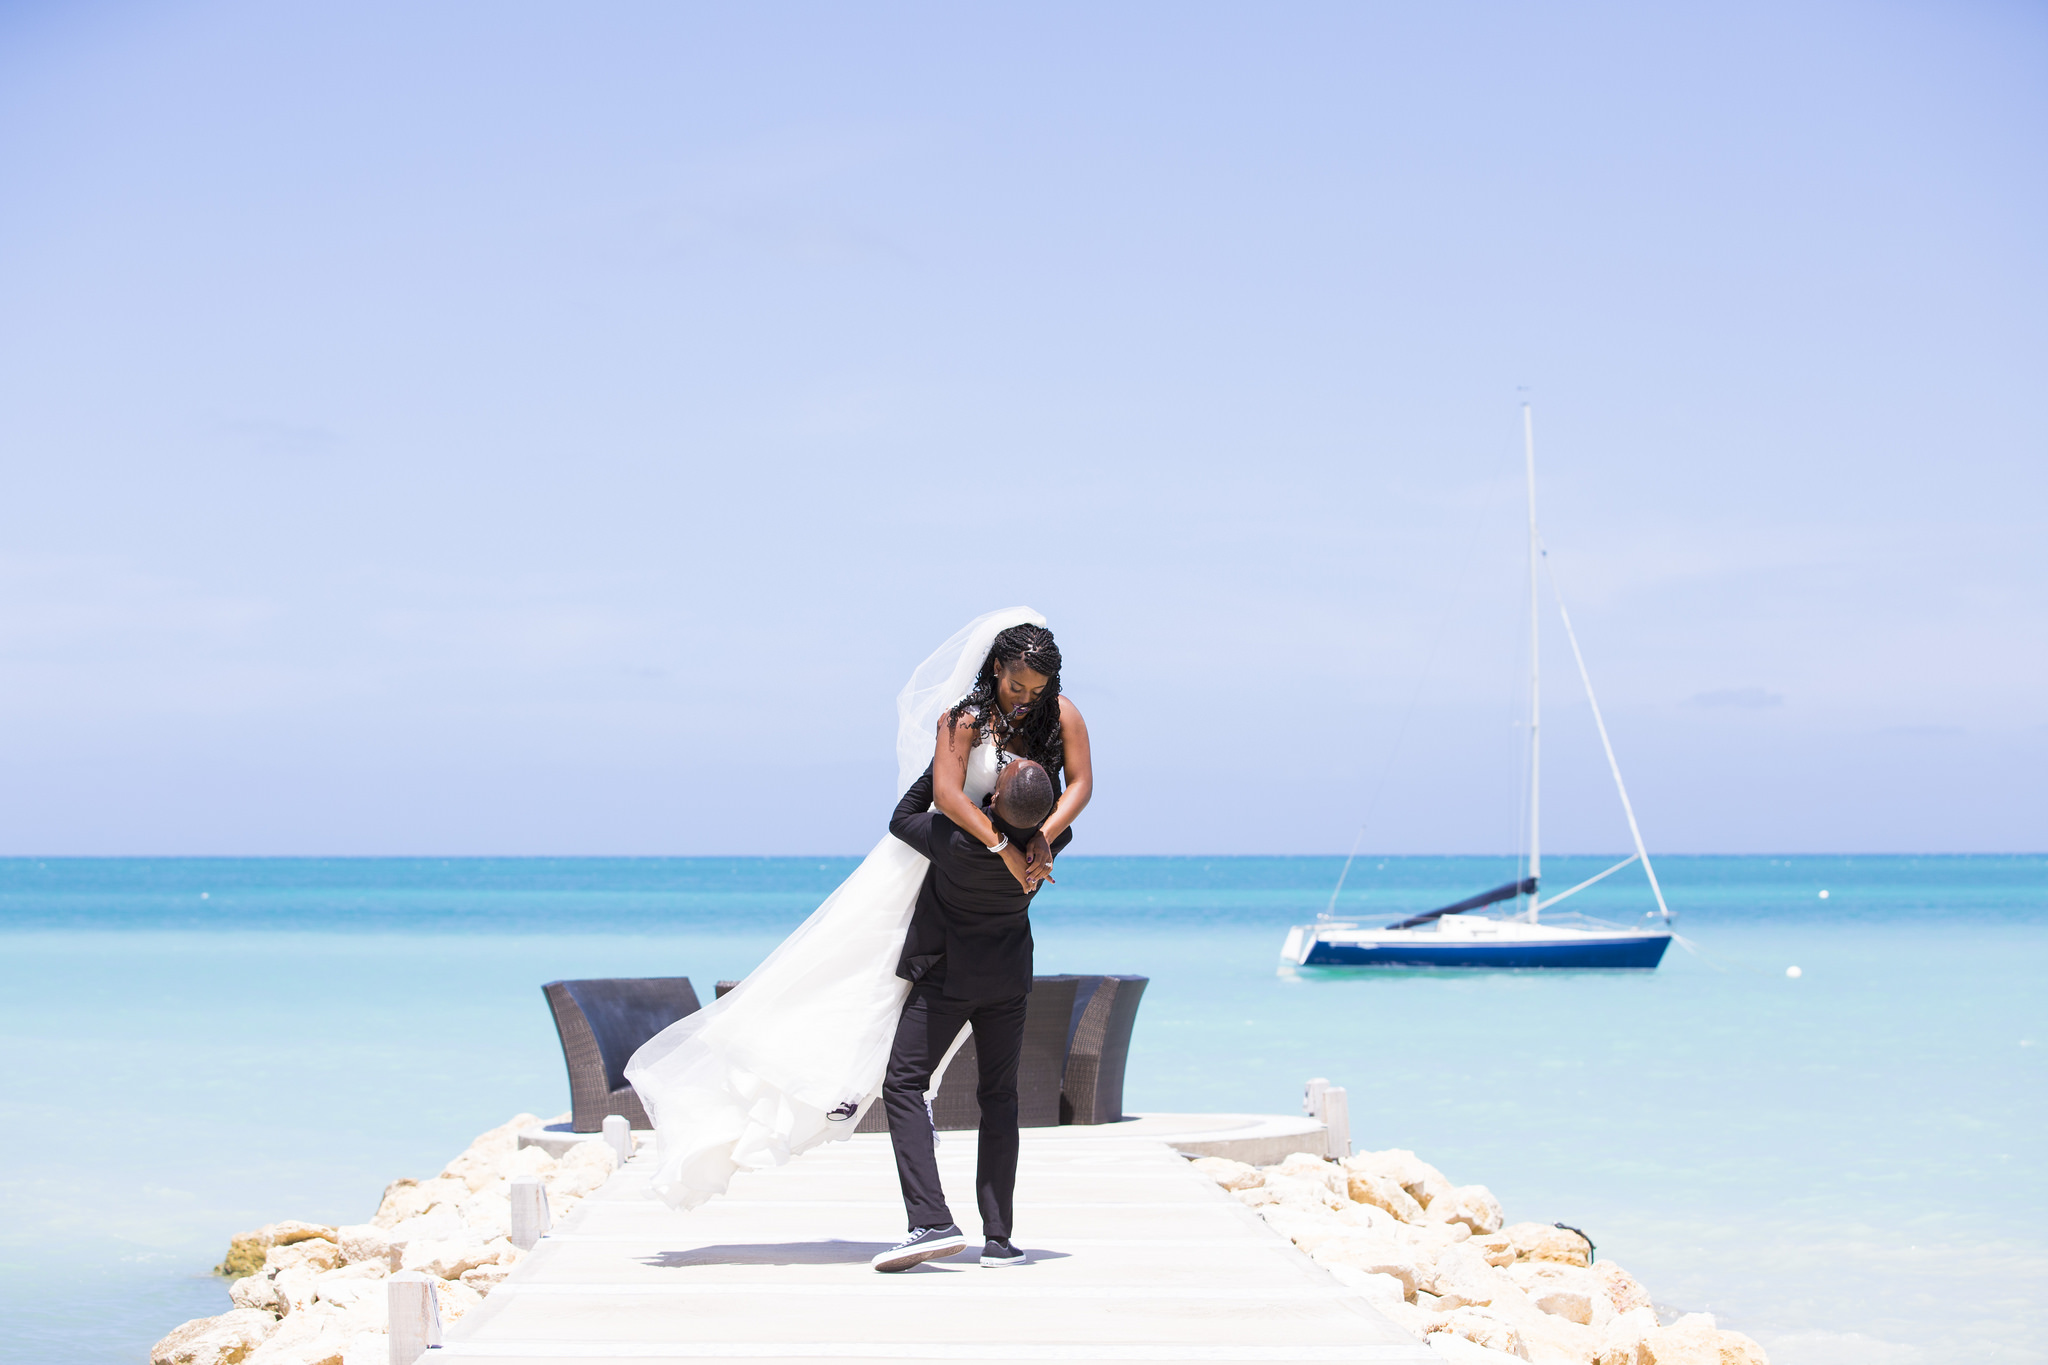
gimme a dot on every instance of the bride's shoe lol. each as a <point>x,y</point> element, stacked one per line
<point>844,1111</point>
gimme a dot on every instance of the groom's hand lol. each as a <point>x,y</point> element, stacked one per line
<point>1013,859</point>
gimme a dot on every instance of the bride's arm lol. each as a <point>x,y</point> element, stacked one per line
<point>1079,769</point>
<point>949,780</point>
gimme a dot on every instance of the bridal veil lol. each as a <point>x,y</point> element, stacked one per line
<point>749,1081</point>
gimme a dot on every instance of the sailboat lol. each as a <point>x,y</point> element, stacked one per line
<point>1452,935</point>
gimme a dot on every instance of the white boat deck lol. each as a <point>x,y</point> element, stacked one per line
<point>1134,1257</point>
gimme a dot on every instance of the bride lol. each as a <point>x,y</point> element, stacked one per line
<point>793,1055</point>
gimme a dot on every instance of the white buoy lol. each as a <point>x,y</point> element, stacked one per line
<point>1823,895</point>
<point>1792,972</point>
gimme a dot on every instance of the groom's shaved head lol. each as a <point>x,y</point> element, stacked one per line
<point>1024,794</point>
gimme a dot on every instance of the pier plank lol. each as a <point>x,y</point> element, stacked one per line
<point>1134,1257</point>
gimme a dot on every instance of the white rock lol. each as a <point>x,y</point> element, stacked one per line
<point>487,1214</point>
<point>1231,1175</point>
<point>1569,1304</point>
<point>582,1169</point>
<point>222,1340</point>
<point>1377,1288</point>
<point>448,1259</point>
<point>1497,1247</point>
<point>1695,1340</point>
<point>1623,1293</point>
<point>1554,1287</point>
<point>1298,1159</point>
<point>1372,1256</point>
<point>399,1203</point>
<point>314,1336</point>
<point>1384,1192</point>
<point>1540,1242</point>
<point>1459,1351</point>
<point>533,1161</point>
<point>315,1254</point>
<point>1365,1216</point>
<point>1623,1340</point>
<point>1302,1166</point>
<point>1436,1236</point>
<point>367,1348</point>
<point>1461,1278</point>
<point>296,1289</point>
<point>367,1243</point>
<point>1475,1207</point>
<point>438,1226</point>
<point>484,1278</point>
<point>352,1284</point>
<point>1424,1182</point>
<point>1482,1329</point>
<point>456,1298</point>
<point>1408,1317</point>
<point>254,1291</point>
<point>408,1199</point>
<point>482,1162</point>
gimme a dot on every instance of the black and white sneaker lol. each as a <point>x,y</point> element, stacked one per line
<point>923,1244</point>
<point>1000,1252</point>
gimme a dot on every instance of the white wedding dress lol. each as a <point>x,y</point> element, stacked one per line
<point>750,1081</point>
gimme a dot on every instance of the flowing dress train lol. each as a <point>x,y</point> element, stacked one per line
<point>751,1080</point>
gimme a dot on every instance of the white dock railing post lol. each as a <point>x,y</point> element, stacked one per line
<point>530,1219</point>
<point>618,1135</point>
<point>1337,1119</point>
<point>1312,1096</point>
<point>415,1316</point>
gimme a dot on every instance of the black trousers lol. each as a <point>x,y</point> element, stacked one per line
<point>929,1024</point>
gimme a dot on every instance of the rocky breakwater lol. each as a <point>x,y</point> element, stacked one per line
<point>312,1294</point>
<point>1442,1261</point>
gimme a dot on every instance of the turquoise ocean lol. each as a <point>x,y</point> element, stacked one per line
<point>1848,1165</point>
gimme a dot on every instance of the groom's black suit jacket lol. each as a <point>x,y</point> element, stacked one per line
<point>971,931</point>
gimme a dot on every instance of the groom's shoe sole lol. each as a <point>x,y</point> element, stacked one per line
<point>917,1255</point>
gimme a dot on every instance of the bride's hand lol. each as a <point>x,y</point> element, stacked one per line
<point>1038,858</point>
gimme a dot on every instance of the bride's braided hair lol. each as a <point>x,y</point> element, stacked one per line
<point>1039,731</point>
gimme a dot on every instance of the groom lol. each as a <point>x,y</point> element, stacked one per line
<point>968,959</point>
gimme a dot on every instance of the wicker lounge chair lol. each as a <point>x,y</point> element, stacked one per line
<point>602,1024</point>
<point>1098,1045</point>
<point>1058,1019</point>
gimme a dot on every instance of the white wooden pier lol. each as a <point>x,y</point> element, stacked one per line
<point>1134,1257</point>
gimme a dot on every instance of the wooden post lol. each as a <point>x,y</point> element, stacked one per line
<point>618,1135</point>
<point>530,1219</point>
<point>1337,1118</point>
<point>415,1316</point>
<point>1312,1097</point>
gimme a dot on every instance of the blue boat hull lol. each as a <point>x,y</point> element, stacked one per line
<point>1638,952</point>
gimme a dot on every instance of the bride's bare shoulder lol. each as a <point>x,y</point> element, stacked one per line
<point>1070,714</point>
<point>965,730</point>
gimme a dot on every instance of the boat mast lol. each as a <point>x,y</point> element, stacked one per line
<point>1535,673</point>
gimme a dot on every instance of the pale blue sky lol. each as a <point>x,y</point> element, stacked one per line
<point>511,429</point>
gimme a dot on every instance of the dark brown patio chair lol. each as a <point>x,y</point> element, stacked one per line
<point>1048,1019</point>
<point>602,1024</point>
<point>1105,1008</point>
